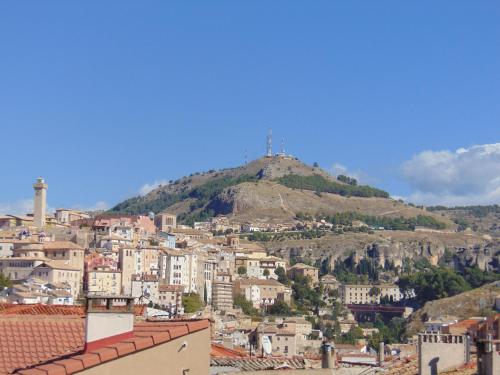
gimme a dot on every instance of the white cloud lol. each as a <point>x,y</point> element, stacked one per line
<point>25,206</point>
<point>148,188</point>
<point>361,177</point>
<point>462,177</point>
<point>19,207</point>
<point>97,206</point>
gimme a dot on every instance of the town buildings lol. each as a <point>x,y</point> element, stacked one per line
<point>368,294</point>
<point>304,270</point>
<point>262,292</point>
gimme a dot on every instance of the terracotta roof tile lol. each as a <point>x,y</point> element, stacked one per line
<point>32,372</point>
<point>53,345</point>
<point>88,360</point>
<point>39,309</point>
<point>70,365</point>
<point>53,369</point>
<point>123,348</point>
<point>142,342</point>
<point>37,340</point>
<point>105,354</point>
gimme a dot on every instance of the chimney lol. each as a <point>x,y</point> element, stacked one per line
<point>109,319</point>
<point>381,352</point>
<point>327,360</point>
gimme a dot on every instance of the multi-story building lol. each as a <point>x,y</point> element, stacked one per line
<point>145,289</point>
<point>59,272</point>
<point>368,294</point>
<point>170,298</point>
<point>257,266</point>
<point>67,251</point>
<point>304,270</point>
<point>103,280</point>
<point>126,258</point>
<point>262,292</point>
<point>66,216</point>
<point>165,222</point>
<point>174,268</point>
<point>222,295</point>
<point>20,268</point>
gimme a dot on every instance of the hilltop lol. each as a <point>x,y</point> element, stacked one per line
<point>269,189</point>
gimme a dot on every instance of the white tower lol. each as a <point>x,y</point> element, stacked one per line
<point>270,144</point>
<point>40,203</point>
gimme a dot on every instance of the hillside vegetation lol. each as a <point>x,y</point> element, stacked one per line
<point>275,189</point>
<point>320,184</point>
<point>476,302</point>
<point>484,219</point>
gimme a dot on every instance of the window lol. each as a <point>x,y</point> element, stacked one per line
<point>286,349</point>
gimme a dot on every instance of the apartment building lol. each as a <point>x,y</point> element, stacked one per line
<point>174,268</point>
<point>262,292</point>
<point>60,272</point>
<point>364,294</point>
<point>145,289</point>
<point>170,298</point>
<point>304,270</point>
<point>105,281</point>
<point>222,295</point>
<point>257,266</point>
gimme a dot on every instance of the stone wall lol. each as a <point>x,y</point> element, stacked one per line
<point>437,352</point>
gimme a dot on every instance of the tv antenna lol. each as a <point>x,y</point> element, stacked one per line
<point>270,143</point>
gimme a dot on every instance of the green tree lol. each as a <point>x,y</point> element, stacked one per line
<point>191,302</point>
<point>245,305</point>
<point>242,270</point>
<point>266,273</point>
<point>374,292</point>
<point>282,277</point>
<point>280,308</point>
<point>434,283</point>
<point>351,337</point>
<point>5,281</point>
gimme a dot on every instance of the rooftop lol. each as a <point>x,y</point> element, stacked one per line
<point>48,310</point>
<point>255,281</point>
<point>61,245</point>
<point>55,345</point>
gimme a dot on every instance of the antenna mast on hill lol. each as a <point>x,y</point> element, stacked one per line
<point>282,146</point>
<point>270,143</point>
<point>246,156</point>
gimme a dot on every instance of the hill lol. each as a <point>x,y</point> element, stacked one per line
<point>476,302</point>
<point>268,189</point>
<point>483,219</point>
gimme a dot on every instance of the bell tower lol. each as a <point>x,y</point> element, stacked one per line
<point>40,200</point>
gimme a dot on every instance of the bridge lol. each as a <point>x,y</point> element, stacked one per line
<point>367,312</point>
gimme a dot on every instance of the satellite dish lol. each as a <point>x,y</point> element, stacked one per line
<point>267,345</point>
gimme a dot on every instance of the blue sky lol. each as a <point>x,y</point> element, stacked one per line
<point>102,98</point>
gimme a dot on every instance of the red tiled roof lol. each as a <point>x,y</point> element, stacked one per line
<point>170,288</point>
<point>53,345</point>
<point>26,342</point>
<point>39,309</point>
<point>220,351</point>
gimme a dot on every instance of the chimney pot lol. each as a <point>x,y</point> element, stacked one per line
<point>109,319</point>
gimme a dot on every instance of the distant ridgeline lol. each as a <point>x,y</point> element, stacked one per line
<point>322,185</point>
<point>477,211</point>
